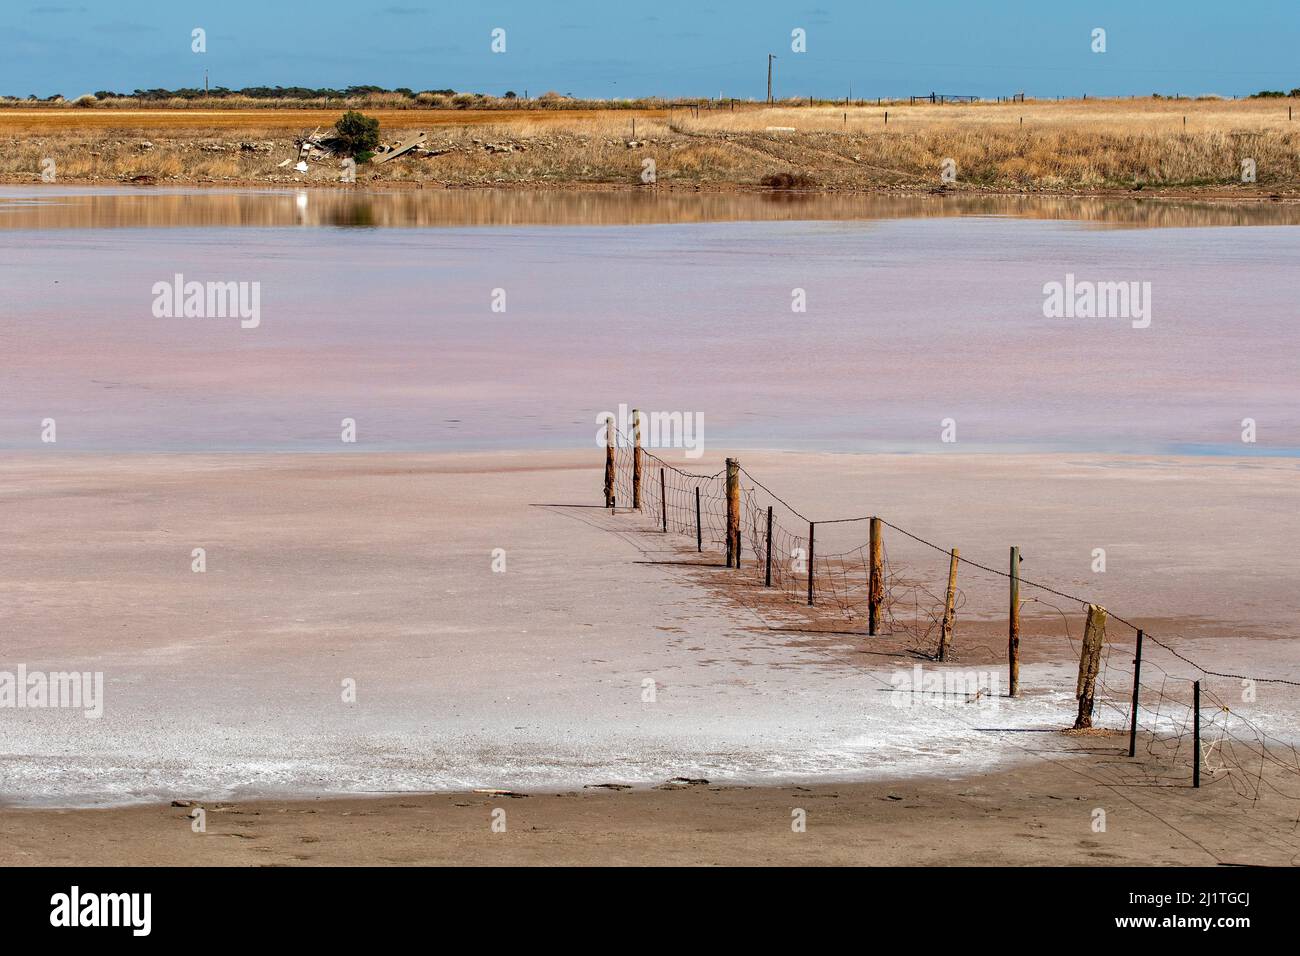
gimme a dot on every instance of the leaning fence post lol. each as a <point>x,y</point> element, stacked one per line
<point>636,459</point>
<point>699,530</point>
<point>733,513</point>
<point>767,574</point>
<point>949,607</point>
<point>1013,628</point>
<point>811,529</point>
<point>609,462</point>
<point>876,580</point>
<point>1196,734</point>
<point>1137,683</point>
<point>1094,633</point>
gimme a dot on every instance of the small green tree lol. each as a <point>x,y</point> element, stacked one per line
<point>358,134</point>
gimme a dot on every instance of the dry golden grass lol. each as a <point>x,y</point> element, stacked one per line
<point>1094,145</point>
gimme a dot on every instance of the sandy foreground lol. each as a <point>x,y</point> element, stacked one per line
<point>223,688</point>
<point>1040,815</point>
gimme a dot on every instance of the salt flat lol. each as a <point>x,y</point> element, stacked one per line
<point>377,568</point>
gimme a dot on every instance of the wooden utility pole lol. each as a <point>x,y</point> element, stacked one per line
<point>1013,628</point>
<point>949,607</point>
<point>733,513</point>
<point>636,459</point>
<point>767,574</point>
<point>811,530</point>
<point>1094,635</point>
<point>876,579</point>
<point>1137,684</point>
<point>770,58</point>
<point>609,462</point>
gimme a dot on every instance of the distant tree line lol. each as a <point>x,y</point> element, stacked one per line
<point>352,92</point>
<point>401,97</point>
<point>250,92</point>
<point>267,93</point>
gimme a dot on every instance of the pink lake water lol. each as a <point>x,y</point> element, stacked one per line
<point>908,322</point>
<point>379,309</point>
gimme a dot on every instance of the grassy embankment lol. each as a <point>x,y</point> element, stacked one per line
<point>1178,147</point>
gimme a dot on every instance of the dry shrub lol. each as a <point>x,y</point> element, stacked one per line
<point>385,100</point>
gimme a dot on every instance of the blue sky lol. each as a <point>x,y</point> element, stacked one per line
<point>667,48</point>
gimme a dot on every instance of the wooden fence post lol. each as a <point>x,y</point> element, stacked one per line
<point>876,579</point>
<point>1196,734</point>
<point>609,462</point>
<point>699,530</point>
<point>1137,683</point>
<point>1094,634</point>
<point>811,530</point>
<point>949,607</point>
<point>1013,628</point>
<point>767,574</point>
<point>636,459</point>
<point>733,513</point>
<point>663,497</point>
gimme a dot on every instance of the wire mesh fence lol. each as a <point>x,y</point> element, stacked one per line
<point>819,576</point>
